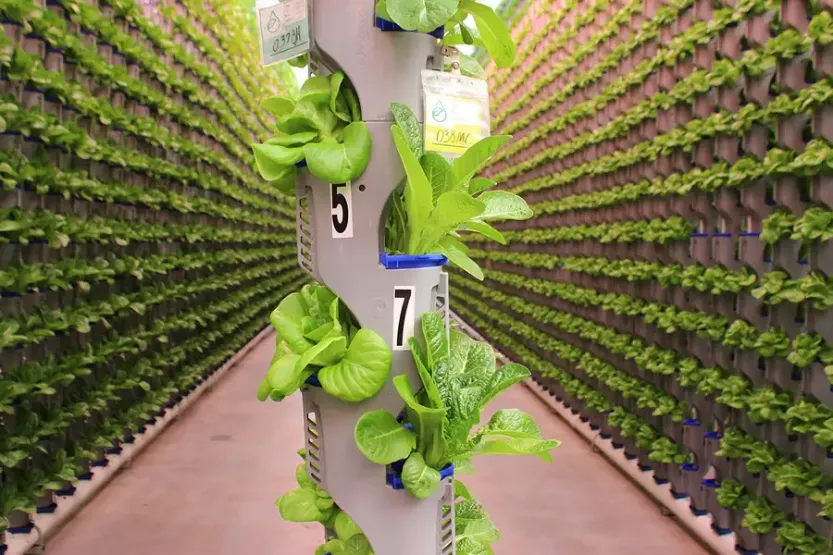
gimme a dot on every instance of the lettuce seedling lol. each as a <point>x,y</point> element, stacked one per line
<point>732,495</point>
<point>440,199</point>
<point>323,126</point>
<point>311,503</point>
<point>795,537</point>
<point>490,33</point>
<point>761,516</point>
<point>348,540</point>
<point>317,335</point>
<point>459,378</point>
<point>308,503</point>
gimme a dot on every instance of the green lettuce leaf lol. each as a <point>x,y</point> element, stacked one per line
<point>418,478</point>
<point>362,372</point>
<point>493,32</point>
<point>453,208</point>
<point>300,505</point>
<point>418,193</point>
<point>500,205</point>
<point>421,15</point>
<point>335,162</point>
<point>382,439</point>
<point>427,422</point>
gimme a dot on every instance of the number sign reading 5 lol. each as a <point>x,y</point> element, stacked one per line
<point>404,317</point>
<point>341,210</point>
<point>284,29</point>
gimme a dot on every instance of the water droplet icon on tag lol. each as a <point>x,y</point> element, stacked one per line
<point>274,24</point>
<point>438,113</point>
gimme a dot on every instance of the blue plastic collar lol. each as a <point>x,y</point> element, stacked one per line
<point>411,261</point>
<point>394,480</point>
<point>390,26</point>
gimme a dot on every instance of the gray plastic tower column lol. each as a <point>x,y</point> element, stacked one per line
<point>383,67</point>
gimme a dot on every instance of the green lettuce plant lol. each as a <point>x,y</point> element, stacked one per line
<point>322,126</point>
<point>795,537</point>
<point>768,404</point>
<point>732,495</point>
<point>806,416</point>
<point>799,477</point>
<point>459,378</point>
<point>317,335</point>
<point>806,348</point>
<point>490,32</point>
<point>761,516</point>
<point>735,444</point>
<point>440,199</point>
<point>311,503</point>
<point>824,435</point>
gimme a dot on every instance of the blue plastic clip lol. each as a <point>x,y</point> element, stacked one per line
<point>66,492</point>
<point>411,261</point>
<point>390,26</point>
<point>48,510</point>
<point>721,531</point>
<point>394,479</point>
<point>698,512</point>
<point>25,529</point>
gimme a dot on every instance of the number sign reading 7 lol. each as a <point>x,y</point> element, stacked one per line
<point>404,321</point>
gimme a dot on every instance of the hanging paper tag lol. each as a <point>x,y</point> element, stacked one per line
<point>284,29</point>
<point>456,112</point>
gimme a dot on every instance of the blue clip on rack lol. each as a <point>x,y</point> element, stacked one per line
<point>390,26</point>
<point>411,261</point>
<point>394,479</point>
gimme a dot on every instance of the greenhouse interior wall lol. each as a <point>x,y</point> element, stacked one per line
<point>670,296</point>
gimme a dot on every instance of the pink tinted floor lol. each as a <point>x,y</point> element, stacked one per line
<point>207,487</point>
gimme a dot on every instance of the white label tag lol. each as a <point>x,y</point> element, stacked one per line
<point>456,112</point>
<point>284,29</point>
<point>341,210</point>
<point>404,320</point>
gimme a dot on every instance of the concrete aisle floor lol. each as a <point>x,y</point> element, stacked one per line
<point>207,487</point>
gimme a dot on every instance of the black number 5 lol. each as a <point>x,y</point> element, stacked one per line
<point>405,295</point>
<point>340,201</point>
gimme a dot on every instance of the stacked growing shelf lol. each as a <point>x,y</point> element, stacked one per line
<point>138,250</point>
<point>675,286</point>
<point>345,256</point>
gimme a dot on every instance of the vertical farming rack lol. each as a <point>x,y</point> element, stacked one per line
<point>341,244</point>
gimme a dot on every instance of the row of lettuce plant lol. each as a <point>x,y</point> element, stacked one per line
<point>139,252</point>
<point>657,330</point>
<point>55,30</point>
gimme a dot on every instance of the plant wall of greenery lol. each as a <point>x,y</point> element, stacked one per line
<point>675,285</point>
<point>138,250</point>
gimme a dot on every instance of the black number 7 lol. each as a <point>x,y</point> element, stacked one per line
<point>405,295</point>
